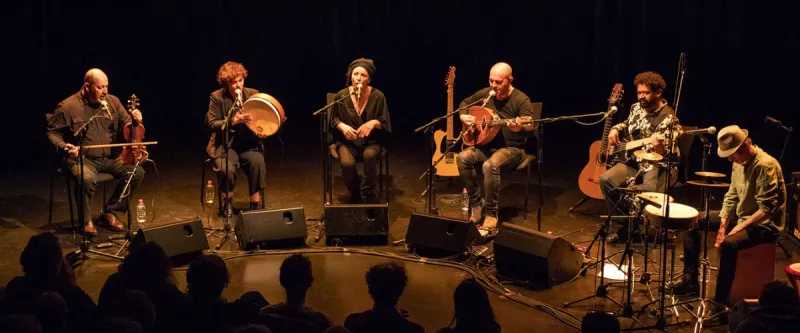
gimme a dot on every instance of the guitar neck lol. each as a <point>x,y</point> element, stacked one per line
<point>450,109</point>
<point>606,129</point>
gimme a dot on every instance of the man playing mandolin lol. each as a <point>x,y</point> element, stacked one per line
<point>505,150</point>
<point>110,117</point>
<point>651,117</point>
<point>245,148</point>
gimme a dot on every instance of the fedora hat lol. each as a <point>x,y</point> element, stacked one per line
<point>729,140</point>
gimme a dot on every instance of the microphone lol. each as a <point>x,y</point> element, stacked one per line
<point>491,93</point>
<point>104,106</point>
<point>358,91</point>
<point>709,130</point>
<point>773,121</point>
<point>239,96</point>
<point>611,111</point>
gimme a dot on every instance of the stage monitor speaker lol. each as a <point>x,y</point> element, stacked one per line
<point>279,228</point>
<point>439,233</point>
<point>177,239</point>
<point>539,258</point>
<point>361,223</point>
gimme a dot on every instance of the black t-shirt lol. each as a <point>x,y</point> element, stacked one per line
<point>517,104</point>
<point>375,109</point>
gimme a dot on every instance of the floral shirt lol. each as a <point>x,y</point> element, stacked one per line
<point>640,125</point>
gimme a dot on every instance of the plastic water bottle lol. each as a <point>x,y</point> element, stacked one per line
<point>209,197</point>
<point>141,212</point>
<point>464,201</point>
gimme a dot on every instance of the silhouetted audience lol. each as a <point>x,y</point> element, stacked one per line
<point>386,283</point>
<point>600,322</point>
<point>45,269</point>
<point>473,312</point>
<point>118,325</point>
<point>337,329</point>
<point>20,323</point>
<point>135,306</point>
<point>779,311</point>
<point>147,268</point>
<point>206,278</point>
<point>296,278</point>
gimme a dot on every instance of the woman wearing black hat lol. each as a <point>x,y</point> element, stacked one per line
<point>362,125</point>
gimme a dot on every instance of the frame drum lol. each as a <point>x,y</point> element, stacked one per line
<point>267,114</point>
<point>681,217</point>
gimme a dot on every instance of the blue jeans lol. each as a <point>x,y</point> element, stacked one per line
<point>490,169</point>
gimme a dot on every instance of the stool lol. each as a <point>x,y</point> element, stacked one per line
<point>755,267</point>
<point>793,273</point>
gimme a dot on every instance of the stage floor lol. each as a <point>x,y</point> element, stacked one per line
<point>339,287</point>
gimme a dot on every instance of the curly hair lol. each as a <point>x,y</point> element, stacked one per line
<point>652,80</point>
<point>386,282</point>
<point>230,71</point>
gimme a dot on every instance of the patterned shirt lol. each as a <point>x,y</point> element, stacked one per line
<point>759,185</point>
<point>640,125</point>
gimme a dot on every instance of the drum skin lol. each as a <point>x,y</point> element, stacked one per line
<point>681,217</point>
<point>266,112</point>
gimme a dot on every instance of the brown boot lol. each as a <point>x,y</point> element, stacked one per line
<point>89,228</point>
<point>476,215</point>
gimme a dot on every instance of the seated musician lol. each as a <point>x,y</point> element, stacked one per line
<point>650,117</point>
<point>506,150</point>
<point>244,148</point>
<point>753,211</point>
<point>107,127</point>
<point>363,125</point>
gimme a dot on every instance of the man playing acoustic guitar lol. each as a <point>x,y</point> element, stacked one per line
<point>505,150</point>
<point>651,117</point>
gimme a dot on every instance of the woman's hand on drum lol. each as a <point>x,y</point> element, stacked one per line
<point>240,118</point>
<point>349,132</point>
<point>365,129</point>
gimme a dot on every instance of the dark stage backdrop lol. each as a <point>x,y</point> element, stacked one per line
<point>742,61</point>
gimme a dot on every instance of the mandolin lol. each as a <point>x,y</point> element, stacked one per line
<point>487,125</point>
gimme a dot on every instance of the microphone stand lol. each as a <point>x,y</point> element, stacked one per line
<point>780,160</point>
<point>327,190</point>
<point>540,158</point>
<point>83,247</point>
<point>430,197</point>
<point>226,131</point>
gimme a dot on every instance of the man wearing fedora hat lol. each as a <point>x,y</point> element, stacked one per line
<point>752,211</point>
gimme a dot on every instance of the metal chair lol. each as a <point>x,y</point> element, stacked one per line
<point>528,160</point>
<point>215,181</point>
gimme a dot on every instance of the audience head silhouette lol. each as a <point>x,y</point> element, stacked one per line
<point>207,277</point>
<point>473,311</point>
<point>386,283</point>
<point>49,308</point>
<point>600,322</point>
<point>778,293</point>
<point>118,325</point>
<point>296,273</point>
<point>22,323</point>
<point>41,259</point>
<point>137,307</point>
<point>146,267</point>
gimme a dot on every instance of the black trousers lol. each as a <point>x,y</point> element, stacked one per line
<point>252,161</point>
<point>113,166</point>
<point>369,155</point>
<point>729,251</point>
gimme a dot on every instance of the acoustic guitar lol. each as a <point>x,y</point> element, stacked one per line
<point>447,167</point>
<point>486,126</point>
<point>589,180</point>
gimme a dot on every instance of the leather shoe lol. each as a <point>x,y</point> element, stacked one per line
<point>113,222</point>
<point>89,228</point>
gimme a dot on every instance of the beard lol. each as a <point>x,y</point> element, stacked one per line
<point>644,103</point>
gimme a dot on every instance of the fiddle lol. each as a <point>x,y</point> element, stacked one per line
<point>133,133</point>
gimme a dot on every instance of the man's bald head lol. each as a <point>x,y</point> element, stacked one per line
<point>500,80</point>
<point>95,85</point>
<point>502,69</point>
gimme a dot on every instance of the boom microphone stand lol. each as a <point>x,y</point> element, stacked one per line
<point>83,247</point>
<point>227,205</point>
<point>324,130</point>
